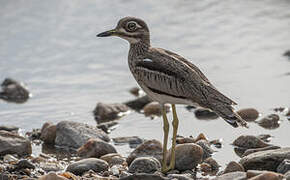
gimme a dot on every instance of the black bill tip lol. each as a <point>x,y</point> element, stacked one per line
<point>106,33</point>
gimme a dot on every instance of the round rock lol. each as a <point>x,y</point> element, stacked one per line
<point>233,167</point>
<point>187,156</point>
<point>144,165</point>
<point>84,165</point>
<point>270,122</point>
<point>249,141</point>
<point>248,114</point>
<point>95,148</point>
<point>48,133</point>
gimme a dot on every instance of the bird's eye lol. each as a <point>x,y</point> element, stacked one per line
<point>131,26</point>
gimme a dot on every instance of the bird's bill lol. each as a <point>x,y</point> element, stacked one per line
<point>107,33</point>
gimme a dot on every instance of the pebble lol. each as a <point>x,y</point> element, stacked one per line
<point>268,176</point>
<point>74,135</point>
<point>249,141</point>
<point>150,148</point>
<point>13,91</point>
<point>232,176</point>
<point>79,167</point>
<point>265,160</point>
<point>233,167</point>
<point>14,144</point>
<point>52,176</point>
<point>108,112</point>
<point>114,159</point>
<point>154,109</point>
<point>139,103</point>
<point>144,165</point>
<point>209,166</point>
<point>24,163</point>
<point>187,156</point>
<point>205,114</point>
<point>248,114</point>
<point>48,133</point>
<point>284,166</point>
<point>269,122</point>
<point>95,148</point>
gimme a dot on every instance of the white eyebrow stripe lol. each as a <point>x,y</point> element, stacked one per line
<point>147,60</point>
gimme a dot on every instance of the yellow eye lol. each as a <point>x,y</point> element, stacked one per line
<point>131,26</point>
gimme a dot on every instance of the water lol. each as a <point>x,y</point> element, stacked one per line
<point>51,46</point>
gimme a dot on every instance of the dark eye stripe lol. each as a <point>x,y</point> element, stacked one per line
<point>131,26</point>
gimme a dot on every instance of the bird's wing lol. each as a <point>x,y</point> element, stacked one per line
<point>171,74</point>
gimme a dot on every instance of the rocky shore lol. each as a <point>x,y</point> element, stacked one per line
<point>74,150</point>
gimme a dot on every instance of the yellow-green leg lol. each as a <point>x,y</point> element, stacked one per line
<point>175,127</point>
<point>165,139</point>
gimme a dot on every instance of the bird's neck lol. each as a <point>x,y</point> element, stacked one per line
<point>139,48</point>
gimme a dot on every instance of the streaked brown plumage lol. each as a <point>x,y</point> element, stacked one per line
<point>169,78</point>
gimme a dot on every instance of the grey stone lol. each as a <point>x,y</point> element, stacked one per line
<point>248,114</point>
<point>144,165</point>
<point>187,156</point>
<point>250,151</point>
<point>24,163</point>
<point>74,134</point>
<point>207,150</point>
<point>108,112</point>
<point>150,148</point>
<point>14,144</point>
<point>233,176</point>
<point>249,141</point>
<point>205,114</point>
<point>9,128</point>
<point>284,166</point>
<point>233,167</point>
<point>113,159</point>
<point>13,91</point>
<point>80,167</point>
<point>270,122</point>
<point>139,103</point>
<point>95,148</point>
<point>265,160</point>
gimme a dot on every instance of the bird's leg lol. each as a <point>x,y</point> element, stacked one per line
<point>175,127</point>
<point>165,139</point>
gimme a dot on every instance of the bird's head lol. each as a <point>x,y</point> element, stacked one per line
<point>132,29</point>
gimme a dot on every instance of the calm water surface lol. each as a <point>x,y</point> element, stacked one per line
<point>51,46</point>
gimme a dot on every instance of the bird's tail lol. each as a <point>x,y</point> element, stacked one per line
<point>230,116</point>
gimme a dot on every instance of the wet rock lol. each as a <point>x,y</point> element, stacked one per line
<point>50,166</point>
<point>74,135</point>
<point>34,135</point>
<point>9,128</point>
<point>150,148</point>
<point>154,109</point>
<point>232,176</point>
<point>95,148</point>
<point>114,159</point>
<point>250,151</point>
<point>249,141</point>
<point>52,176</point>
<point>180,176</point>
<point>213,163</point>
<point>284,166</point>
<point>182,140</point>
<point>265,160</point>
<point>253,173</point>
<point>144,176</point>
<point>14,144</point>
<point>187,156</point>
<point>249,114</point>
<point>79,167</point>
<point>205,114</point>
<point>268,176</point>
<point>287,53</point>
<point>139,103</point>
<point>128,139</point>
<point>233,167</point>
<point>209,166</point>
<point>207,150</point>
<point>270,122</point>
<point>144,165</point>
<point>107,127</point>
<point>13,91</point>
<point>48,133</point>
<point>5,176</point>
<point>24,163</point>
<point>265,137</point>
<point>108,112</point>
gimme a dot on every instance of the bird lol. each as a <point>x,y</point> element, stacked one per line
<point>167,77</point>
